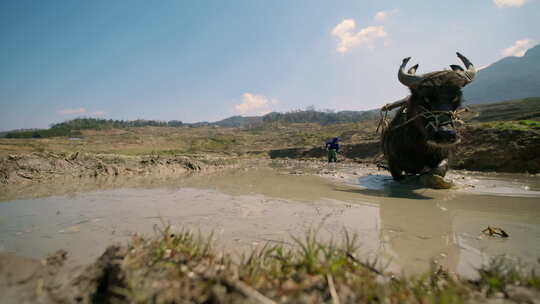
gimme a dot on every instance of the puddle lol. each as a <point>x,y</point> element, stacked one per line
<point>498,184</point>
<point>406,226</point>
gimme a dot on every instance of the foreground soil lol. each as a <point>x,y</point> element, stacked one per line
<point>181,267</point>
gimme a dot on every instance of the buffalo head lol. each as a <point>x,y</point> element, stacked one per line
<point>434,99</point>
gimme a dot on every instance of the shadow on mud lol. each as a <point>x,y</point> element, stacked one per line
<point>384,185</point>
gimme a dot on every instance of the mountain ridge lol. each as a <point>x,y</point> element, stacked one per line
<point>509,78</point>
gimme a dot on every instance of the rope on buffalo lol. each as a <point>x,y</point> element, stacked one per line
<point>383,121</point>
<point>384,124</point>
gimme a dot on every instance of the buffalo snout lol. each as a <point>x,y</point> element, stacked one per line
<point>445,135</point>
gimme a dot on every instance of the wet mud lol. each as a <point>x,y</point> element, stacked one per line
<point>405,225</point>
<point>57,168</point>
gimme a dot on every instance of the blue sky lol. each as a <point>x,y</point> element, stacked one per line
<point>208,60</point>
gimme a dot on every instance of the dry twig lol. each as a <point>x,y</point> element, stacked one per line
<point>332,287</point>
<point>248,291</point>
<point>495,231</point>
<point>365,265</point>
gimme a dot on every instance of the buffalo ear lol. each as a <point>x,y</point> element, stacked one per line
<point>413,69</point>
<point>456,68</point>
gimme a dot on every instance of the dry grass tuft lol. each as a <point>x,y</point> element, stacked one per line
<point>184,267</point>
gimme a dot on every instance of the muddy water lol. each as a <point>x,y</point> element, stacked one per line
<point>405,225</point>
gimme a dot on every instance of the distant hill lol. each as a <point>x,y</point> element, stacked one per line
<point>322,118</point>
<point>518,109</point>
<point>308,116</point>
<point>238,121</point>
<point>72,127</point>
<point>508,78</point>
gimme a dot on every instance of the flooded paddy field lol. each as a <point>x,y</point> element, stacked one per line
<point>406,226</point>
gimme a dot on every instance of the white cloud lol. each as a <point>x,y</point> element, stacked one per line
<point>518,49</point>
<point>348,38</point>
<point>384,15</point>
<point>80,111</point>
<point>508,3</point>
<point>72,111</point>
<point>98,113</point>
<point>255,104</point>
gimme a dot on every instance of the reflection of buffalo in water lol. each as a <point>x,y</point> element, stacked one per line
<point>419,137</point>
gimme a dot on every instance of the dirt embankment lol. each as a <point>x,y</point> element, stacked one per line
<point>500,150</point>
<point>46,166</point>
<point>481,149</point>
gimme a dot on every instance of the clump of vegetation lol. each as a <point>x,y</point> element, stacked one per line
<point>43,133</point>
<point>182,267</point>
<point>530,123</point>
<point>322,118</point>
<point>103,124</point>
<point>519,125</point>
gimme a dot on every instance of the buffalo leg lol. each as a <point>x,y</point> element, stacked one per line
<point>395,171</point>
<point>434,177</point>
<point>441,168</point>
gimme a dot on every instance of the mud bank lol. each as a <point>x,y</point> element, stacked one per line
<point>481,149</point>
<point>498,150</point>
<point>367,151</point>
<point>47,167</point>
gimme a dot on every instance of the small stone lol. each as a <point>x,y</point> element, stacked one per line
<point>289,285</point>
<point>499,295</point>
<point>56,259</point>
<point>523,295</point>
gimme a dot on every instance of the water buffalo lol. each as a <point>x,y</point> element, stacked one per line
<point>420,136</point>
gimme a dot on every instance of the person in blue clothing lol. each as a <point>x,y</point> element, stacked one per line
<point>332,147</point>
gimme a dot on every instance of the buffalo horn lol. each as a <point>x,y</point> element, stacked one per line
<point>470,71</point>
<point>406,78</point>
